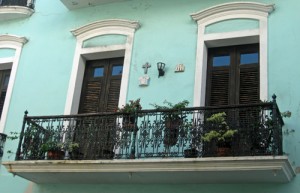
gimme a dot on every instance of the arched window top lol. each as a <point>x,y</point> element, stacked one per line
<point>233,10</point>
<point>10,41</point>
<point>110,26</point>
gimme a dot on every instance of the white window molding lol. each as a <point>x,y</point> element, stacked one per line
<point>223,12</point>
<point>99,28</point>
<point>11,42</point>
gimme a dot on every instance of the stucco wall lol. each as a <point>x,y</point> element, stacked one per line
<point>167,34</point>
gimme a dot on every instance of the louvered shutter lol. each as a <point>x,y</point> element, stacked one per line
<point>100,93</point>
<point>91,98</point>
<point>249,84</point>
<point>113,95</point>
<point>236,83</point>
<point>219,93</point>
<point>93,87</point>
<point>114,84</point>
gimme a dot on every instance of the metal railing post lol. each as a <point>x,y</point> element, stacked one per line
<point>277,147</point>
<point>21,136</point>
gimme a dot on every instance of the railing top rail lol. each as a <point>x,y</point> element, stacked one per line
<point>266,105</point>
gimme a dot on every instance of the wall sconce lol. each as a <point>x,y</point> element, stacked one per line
<point>161,69</point>
<point>2,141</point>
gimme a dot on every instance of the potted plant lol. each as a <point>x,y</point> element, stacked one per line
<point>53,149</point>
<point>129,116</point>
<point>193,135</point>
<point>173,119</point>
<point>219,132</point>
<point>56,150</point>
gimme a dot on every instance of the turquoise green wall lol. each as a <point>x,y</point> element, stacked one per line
<point>167,34</point>
<point>169,188</point>
<point>232,25</point>
<point>104,41</point>
<point>5,52</point>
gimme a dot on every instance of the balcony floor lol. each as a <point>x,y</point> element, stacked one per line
<point>255,169</point>
<point>14,12</point>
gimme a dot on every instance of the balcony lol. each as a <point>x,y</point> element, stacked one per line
<point>15,9</point>
<point>145,147</point>
<point>76,4</point>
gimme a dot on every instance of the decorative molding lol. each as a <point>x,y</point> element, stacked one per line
<point>106,23</point>
<point>99,28</point>
<point>11,38</point>
<point>11,42</point>
<point>223,12</point>
<point>14,12</point>
<point>245,7</point>
<point>253,169</point>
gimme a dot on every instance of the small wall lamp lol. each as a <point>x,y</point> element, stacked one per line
<point>2,141</point>
<point>161,69</point>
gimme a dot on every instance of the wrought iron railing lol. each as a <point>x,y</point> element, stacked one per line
<point>25,3</point>
<point>151,134</point>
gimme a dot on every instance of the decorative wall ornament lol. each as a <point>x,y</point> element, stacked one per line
<point>144,80</point>
<point>146,66</point>
<point>161,69</point>
<point>180,68</point>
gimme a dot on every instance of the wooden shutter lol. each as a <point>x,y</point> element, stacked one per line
<point>248,77</point>
<point>100,93</point>
<point>91,97</point>
<point>249,84</point>
<point>233,84</point>
<point>92,88</point>
<point>113,95</point>
<point>113,85</point>
<point>219,93</point>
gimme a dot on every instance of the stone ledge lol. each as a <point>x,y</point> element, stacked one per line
<point>256,169</point>
<point>14,12</point>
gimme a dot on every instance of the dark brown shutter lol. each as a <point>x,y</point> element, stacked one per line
<point>113,95</point>
<point>233,84</point>
<point>100,93</point>
<point>249,84</point>
<point>219,94</point>
<point>91,98</point>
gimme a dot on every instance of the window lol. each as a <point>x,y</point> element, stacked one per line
<point>4,79</point>
<point>233,75</point>
<point>101,85</point>
<point>8,69</point>
<point>226,12</point>
<point>94,32</point>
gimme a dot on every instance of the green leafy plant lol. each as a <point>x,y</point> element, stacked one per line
<point>175,108</point>
<point>131,107</point>
<point>55,146</point>
<point>221,131</point>
<point>173,120</point>
<point>12,136</point>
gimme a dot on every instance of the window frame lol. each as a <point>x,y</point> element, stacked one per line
<point>16,43</point>
<point>234,70</point>
<point>92,30</point>
<point>223,12</point>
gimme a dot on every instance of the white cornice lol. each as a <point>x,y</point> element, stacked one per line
<point>245,6</point>
<point>254,169</point>
<point>106,23</point>
<point>14,12</point>
<point>15,39</point>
